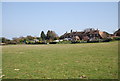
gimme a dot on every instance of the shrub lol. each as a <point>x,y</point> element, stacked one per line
<point>116,38</point>
<point>52,42</point>
<point>38,42</point>
<point>106,40</point>
<point>64,42</point>
<point>92,41</point>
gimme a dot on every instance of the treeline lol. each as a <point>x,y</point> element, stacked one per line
<point>19,40</point>
<point>43,38</point>
<point>88,35</point>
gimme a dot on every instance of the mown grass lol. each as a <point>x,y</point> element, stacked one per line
<point>0,63</point>
<point>61,61</point>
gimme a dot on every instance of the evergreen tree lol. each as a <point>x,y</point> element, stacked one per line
<point>43,36</point>
<point>71,31</point>
<point>48,35</point>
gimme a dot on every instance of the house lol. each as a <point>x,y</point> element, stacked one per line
<point>103,34</point>
<point>90,35</point>
<point>75,38</point>
<point>117,33</point>
<point>86,38</point>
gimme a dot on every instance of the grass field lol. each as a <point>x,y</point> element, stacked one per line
<point>61,61</point>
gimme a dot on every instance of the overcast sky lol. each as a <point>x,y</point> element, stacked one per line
<point>30,18</point>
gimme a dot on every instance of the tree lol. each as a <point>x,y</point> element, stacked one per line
<point>48,35</point>
<point>43,36</point>
<point>71,31</point>
<point>51,35</point>
<point>22,39</point>
<point>4,40</point>
<point>29,38</point>
<point>16,40</point>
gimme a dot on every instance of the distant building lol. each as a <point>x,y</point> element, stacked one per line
<point>75,38</point>
<point>117,33</point>
<point>86,35</point>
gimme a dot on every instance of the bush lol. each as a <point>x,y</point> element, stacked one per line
<point>106,40</point>
<point>12,42</point>
<point>53,43</point>
<point>92,41</point>
<point>116,38</point>
<point>64,42</point>
<point>79,41</point>
<point>32,42</point>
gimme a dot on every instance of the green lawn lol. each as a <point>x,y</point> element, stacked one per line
<point>61,61</point>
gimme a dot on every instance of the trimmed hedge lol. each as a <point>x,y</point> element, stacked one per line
<point>64,42</point>
<point>116,38</point>
<point>32,42</point>
<point>53,43</point>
